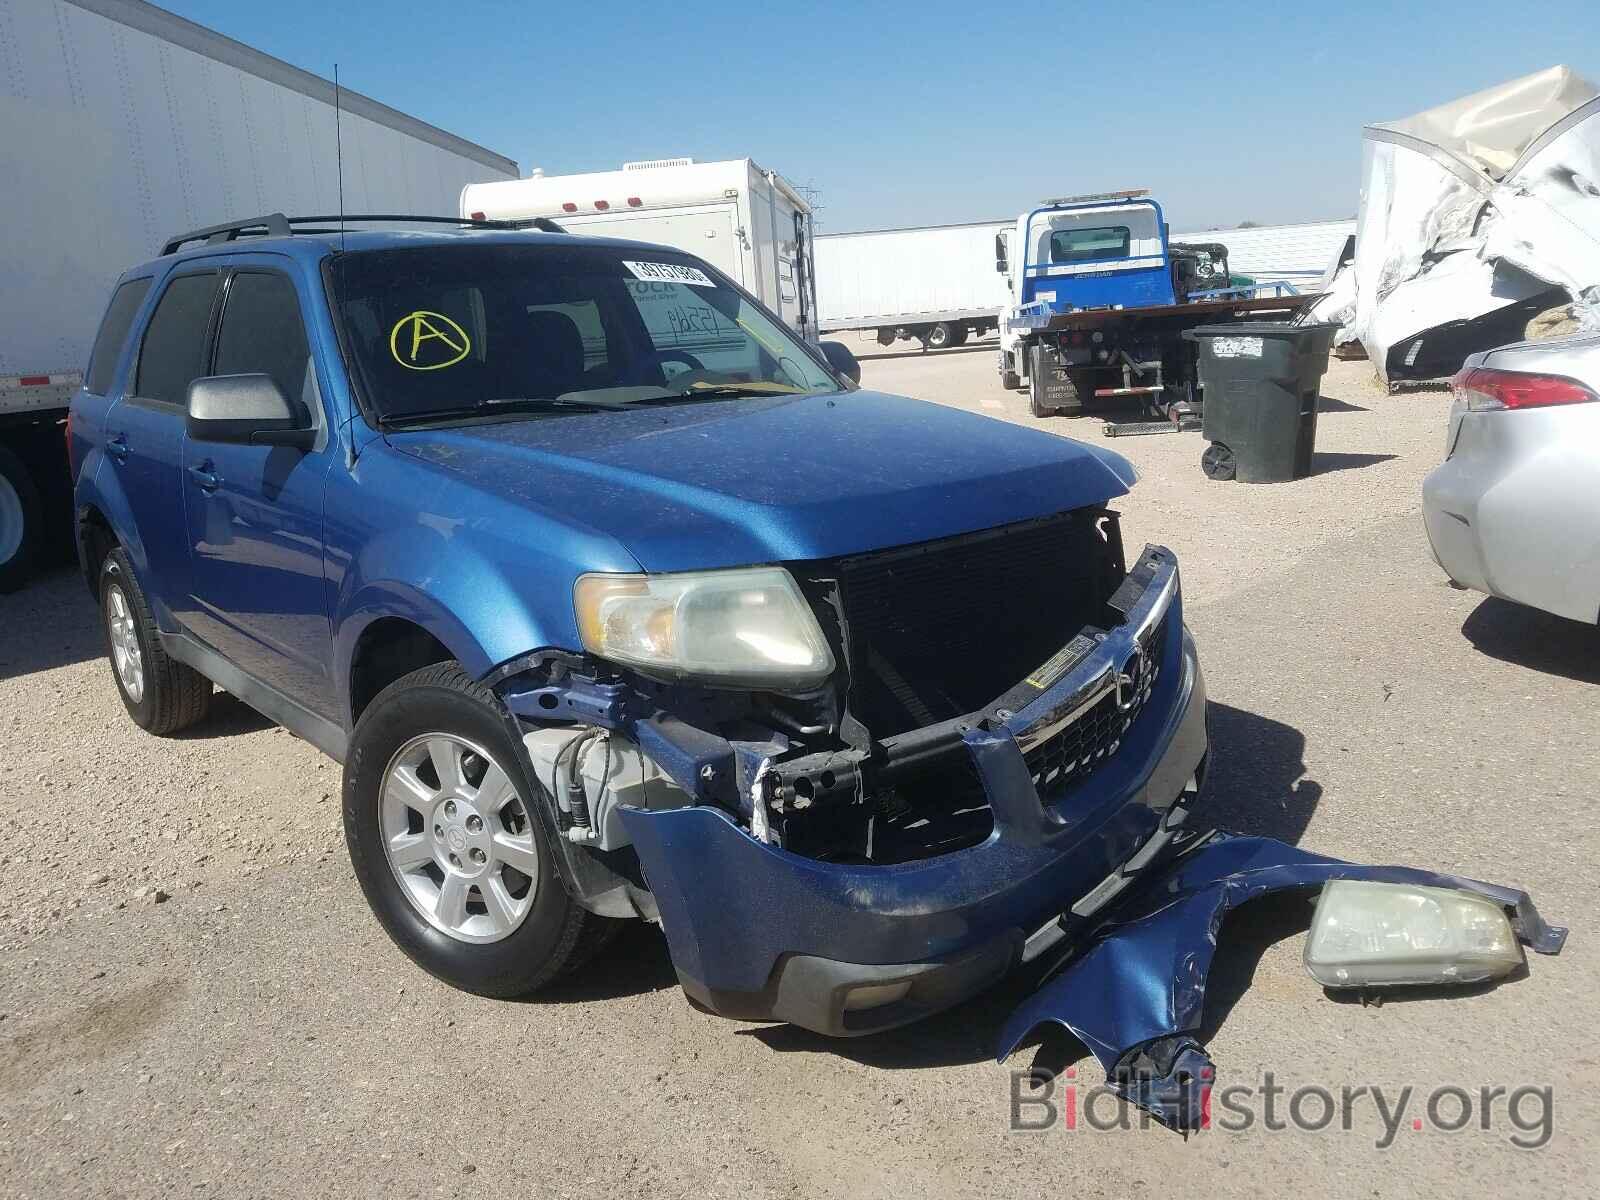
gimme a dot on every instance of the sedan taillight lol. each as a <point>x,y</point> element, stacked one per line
<point>1486,390</point>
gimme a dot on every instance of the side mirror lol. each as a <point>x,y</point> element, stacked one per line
<point>1002,260</point>
<point>248,410</point>
<point>842,360</point>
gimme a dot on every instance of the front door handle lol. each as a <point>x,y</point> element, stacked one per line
<point>208,481</point>
<point>117,447</point>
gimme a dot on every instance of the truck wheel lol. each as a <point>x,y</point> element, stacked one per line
<point>1217,461</point>
<point>958,335</point>
<point>444,838</point>
<point>19,521</point>
<point>939,336</point>
<point>161,694</point>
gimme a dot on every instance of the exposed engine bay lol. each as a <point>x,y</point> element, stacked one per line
<point>870,767</point>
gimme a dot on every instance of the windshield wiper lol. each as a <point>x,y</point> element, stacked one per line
<point>730,390</point>
<point>507,404</point>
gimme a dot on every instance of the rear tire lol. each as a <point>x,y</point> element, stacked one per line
<point>161,694</point>
<point>938,337</point>
<point>19,522</point>
<point>958,335</point>
<point>438,908</point>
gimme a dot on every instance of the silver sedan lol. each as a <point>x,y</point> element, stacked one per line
<point>1514,510</point>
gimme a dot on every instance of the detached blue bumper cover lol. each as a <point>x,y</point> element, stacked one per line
<point>1134,996</point>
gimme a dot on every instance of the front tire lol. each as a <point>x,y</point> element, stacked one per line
<point>161,694</point>
<point>442,831</point>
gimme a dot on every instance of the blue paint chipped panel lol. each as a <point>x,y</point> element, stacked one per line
<point>1133,993</point>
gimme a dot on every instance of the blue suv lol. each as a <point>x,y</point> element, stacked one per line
<point>617,600</point>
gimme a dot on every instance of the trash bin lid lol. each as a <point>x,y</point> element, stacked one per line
<point>1258,329</point>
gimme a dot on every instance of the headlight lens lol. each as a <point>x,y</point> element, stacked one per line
<point>1387,934</point>
<point>749,626</point>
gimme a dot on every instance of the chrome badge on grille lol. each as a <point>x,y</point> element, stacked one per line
<point>1133,680</point>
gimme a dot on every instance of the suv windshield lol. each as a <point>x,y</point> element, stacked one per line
<point>440,331</point>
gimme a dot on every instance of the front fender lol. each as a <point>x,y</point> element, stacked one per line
<point>460,596</point>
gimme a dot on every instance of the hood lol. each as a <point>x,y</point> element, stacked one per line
<point>718,483</point>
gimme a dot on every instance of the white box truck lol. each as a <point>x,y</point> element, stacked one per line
<point>936,284</point>
<point>741,218</point>
<point>122,124</point>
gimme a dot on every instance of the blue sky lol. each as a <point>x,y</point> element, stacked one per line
<point>922,113</point>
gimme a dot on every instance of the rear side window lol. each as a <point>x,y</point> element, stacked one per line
<point>262,334</point>
<point>113,334</point>
<point>174,350</point>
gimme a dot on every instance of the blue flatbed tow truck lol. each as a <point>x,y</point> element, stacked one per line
<point>1101,299</point>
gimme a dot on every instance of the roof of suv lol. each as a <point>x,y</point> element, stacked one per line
<point>316,245</point>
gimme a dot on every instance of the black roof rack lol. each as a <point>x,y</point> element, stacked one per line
<point>278,225</point>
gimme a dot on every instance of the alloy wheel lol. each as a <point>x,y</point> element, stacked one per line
<point>124,636</point>
<point>459,838</point>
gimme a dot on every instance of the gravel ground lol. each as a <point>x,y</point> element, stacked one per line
<point>195,1001</point>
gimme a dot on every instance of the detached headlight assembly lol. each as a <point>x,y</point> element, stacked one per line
<point>1393,934</point>
<point>749,626</point>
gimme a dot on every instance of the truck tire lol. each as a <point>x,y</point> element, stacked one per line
<point>446,843</point>
<point>939,336</point>
<point>161,694</point>
<point>20,514</point>
<point>1009,379</point>
<point>958,335</point>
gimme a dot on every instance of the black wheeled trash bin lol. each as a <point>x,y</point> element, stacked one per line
<point>1260,381</point>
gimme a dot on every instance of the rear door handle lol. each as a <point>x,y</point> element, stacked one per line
<point>208,481</point>
<point>117,447</point>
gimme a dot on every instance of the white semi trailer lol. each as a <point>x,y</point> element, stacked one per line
<point>747,221</point>
<point>936,284</point>
<point>122,124</point>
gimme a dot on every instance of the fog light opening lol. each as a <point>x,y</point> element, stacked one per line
<point>876,995</point>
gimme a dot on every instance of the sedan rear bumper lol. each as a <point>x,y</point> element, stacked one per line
<point>1513,511</point>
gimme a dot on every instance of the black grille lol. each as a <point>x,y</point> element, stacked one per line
<point>1073,754</point>
<point>943,628</point>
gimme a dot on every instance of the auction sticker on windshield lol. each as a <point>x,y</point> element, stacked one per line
<point>669,273</point>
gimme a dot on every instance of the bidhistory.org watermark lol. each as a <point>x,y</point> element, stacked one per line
<point>1524,1115</point>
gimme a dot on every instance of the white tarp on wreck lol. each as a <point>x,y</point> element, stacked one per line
<point>1474,216</point>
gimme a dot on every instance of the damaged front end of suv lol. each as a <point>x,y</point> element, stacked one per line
<point>857,790</point>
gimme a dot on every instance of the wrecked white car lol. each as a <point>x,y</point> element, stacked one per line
<point>1476,216</point>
